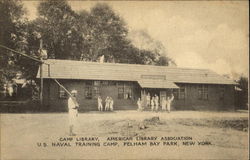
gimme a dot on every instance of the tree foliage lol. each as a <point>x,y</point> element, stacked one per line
<point>13,35</point>
<point>67,34</point>
<point>88,35</point>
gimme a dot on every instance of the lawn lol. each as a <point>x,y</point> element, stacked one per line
<point>126,135</point>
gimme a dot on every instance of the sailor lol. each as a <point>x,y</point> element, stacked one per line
<point>111,103</point>
<point>99,101</point>
<point>163,104</point>
<point>139,104</point>
<point>107,103</point>
<point>152,103</point>
<point>73,111</point>
<point>156,102</point>
<point>148,100</point>
<point>169,101</point>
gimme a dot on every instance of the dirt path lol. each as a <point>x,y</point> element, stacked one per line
<point>20,134</point>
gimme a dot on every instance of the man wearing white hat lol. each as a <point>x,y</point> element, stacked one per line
<point>73,111</point>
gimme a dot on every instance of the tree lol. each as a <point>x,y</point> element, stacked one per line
<point>106,34</point>
<point>57,24</point>
<point>13,35</point>
<point>142,40</point>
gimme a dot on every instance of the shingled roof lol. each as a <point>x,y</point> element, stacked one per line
<point>68,69</point>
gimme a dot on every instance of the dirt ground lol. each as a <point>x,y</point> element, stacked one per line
<point>223,135</point>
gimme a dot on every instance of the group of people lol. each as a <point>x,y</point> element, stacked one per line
<point>153,103</point>
<point>109,104</point>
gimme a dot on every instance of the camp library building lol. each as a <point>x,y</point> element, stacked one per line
<point>193,89</point>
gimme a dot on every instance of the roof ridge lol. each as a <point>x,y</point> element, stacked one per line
<point>144,65</point>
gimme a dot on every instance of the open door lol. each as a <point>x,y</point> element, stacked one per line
<point>163,94</point>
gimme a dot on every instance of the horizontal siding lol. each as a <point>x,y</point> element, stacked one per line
<point>67,69</point>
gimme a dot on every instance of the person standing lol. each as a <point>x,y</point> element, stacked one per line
<point>139,104</point>
<point>169,101</point>
<point>152,104</point>
<point>163,104</point>
<point>111,104</point>
<point>107,102</point>
<point>73,112</point>
<point>156,102</point>
<point>99,101</point>
<point>148,100</point>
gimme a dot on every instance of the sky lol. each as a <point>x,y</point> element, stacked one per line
<point>196,34</point>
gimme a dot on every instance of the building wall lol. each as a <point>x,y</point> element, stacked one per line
<point>52,102</point>
<point>215,100</point>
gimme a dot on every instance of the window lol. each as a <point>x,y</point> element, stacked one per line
<point>96,92</point>
<point>128,93</point>
<point>112,83</point>
<point>176,93</point>
<point>105,83</point>
<point>222,92</point>
<point>125,90</point>
<point>120,93</point>
<point>182,93</point>
<point>62,93</point>
<point>97,83</point>
<point>179,93</point>
<point>203,92</point>
<point>88,92</point>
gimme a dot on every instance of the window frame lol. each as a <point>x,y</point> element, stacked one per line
<point>62,93</point>
<point>203,91</point>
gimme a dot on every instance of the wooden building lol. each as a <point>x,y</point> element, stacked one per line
<point>194,89</point>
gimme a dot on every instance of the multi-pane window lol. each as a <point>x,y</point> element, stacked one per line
<point>88,92</point>
<point>179,93</point>
<point>222,92</point>
<point>105,83</point>
<point>128,93</point>
<point>120,92</point>
<point>96,89</point>
<point>96,92</point>
<point>62,93</point>
<point>203,92</point>
<point>182,93</point>
<point>125,90</point>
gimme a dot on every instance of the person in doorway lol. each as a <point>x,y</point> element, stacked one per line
<point>99,101</point>
<point>73,112</point>
<point>163,104</point>
<point>107,102</point>
<point>139,102</point>
<point>169,101</point>
<point>152,103</point>
<point>111,104</point>
<point>156,102</point>
<point>148,100</point>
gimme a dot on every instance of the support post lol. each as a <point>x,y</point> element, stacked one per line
<point>41,74</point>
<point>41,80</point>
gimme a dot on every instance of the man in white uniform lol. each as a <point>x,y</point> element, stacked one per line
<point>152,103</point>
<point>169,101</point>
<point>107,102</point>
<point>156,103</point>
<point>163,104</point>
<point>99,101</point>
<point>73,112</point>
<point>111,104</point>
<point>148,100</point>
<point>139,104</point>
